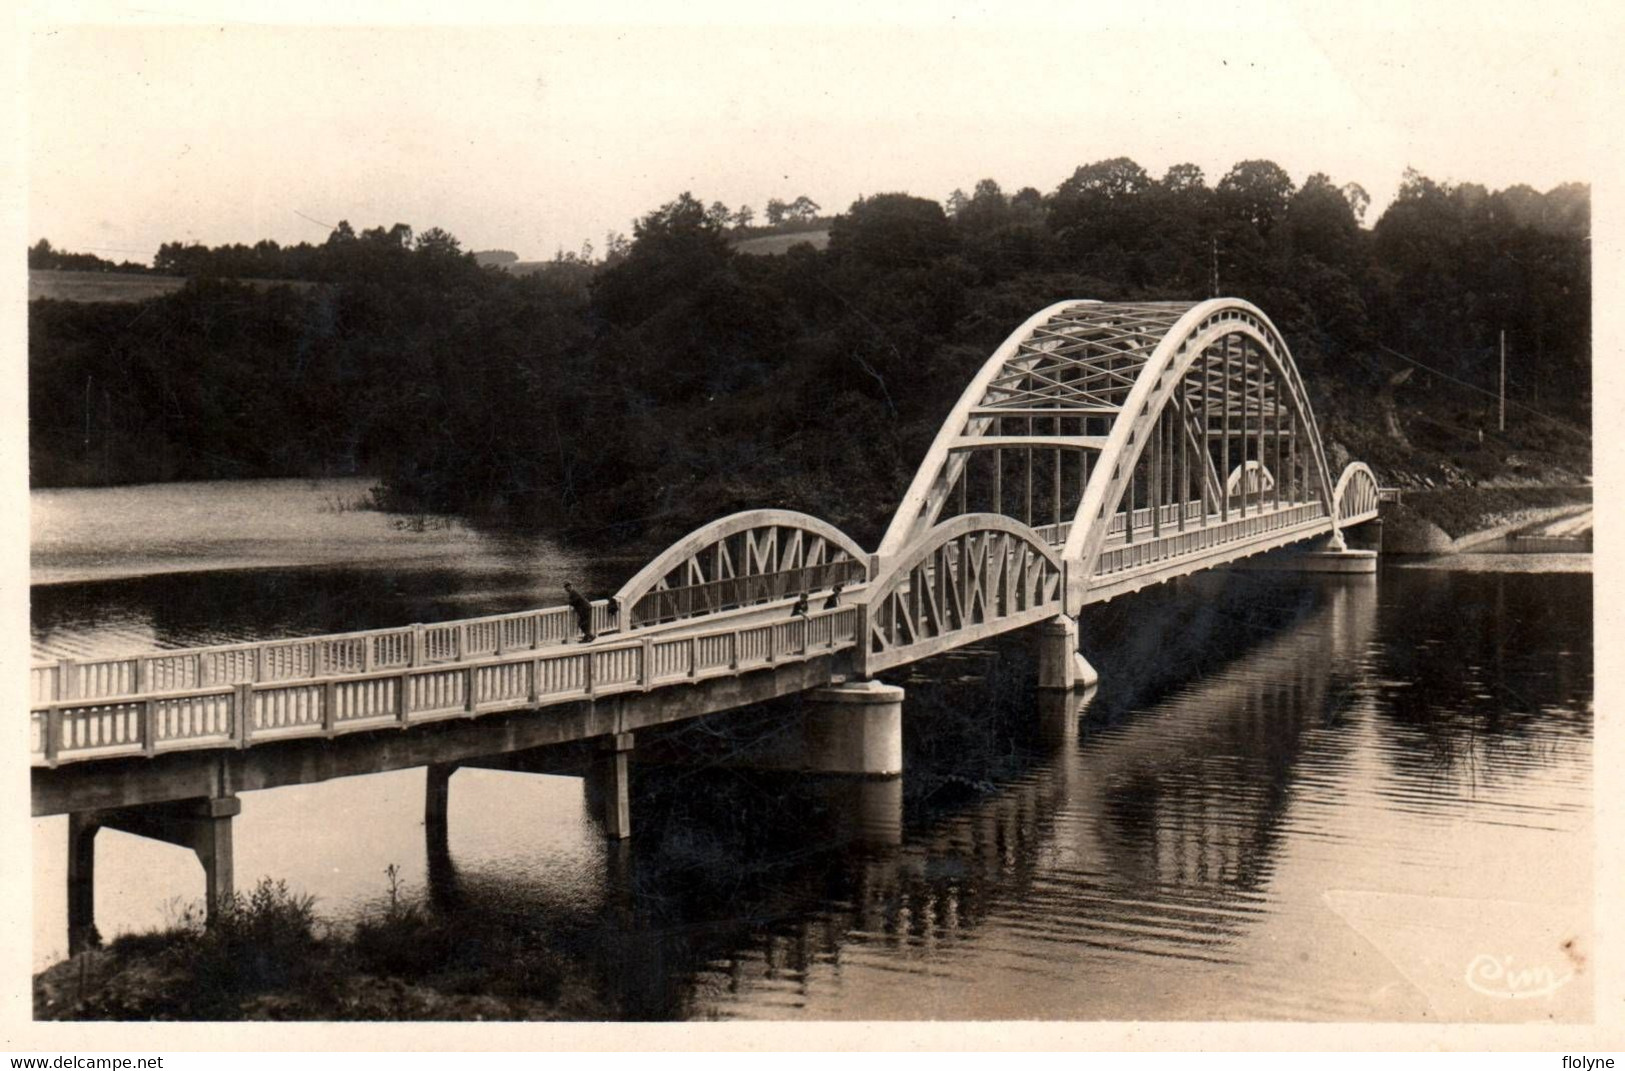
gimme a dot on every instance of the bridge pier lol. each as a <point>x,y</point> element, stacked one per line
<point>203,825</point>
<point>608,786</point>
<point>854,728</point>
<point>436,808</point>
<point>1060,664</point>
<point>1329,555</point>
<point>82,935</point>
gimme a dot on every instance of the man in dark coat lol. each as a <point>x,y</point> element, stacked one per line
<point>583,610</point>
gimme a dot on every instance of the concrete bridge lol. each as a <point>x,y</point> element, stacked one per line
<point>1102,448</point>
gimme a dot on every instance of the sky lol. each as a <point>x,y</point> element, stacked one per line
<point>192,124</point>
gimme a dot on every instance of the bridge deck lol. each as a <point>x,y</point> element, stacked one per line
<point>242,695</point>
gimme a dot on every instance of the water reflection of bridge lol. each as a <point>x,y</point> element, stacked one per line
<point>1157,830</point>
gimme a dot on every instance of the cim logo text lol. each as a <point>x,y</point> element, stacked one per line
<point>1497,976</point>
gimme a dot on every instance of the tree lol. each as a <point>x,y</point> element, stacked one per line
<point>1105,180</point>
<point>956,203</point>
<point>803,209</point>
<point>1321,223</point>
<point>1027,197</point>
<point>179,258</point>
<point>775,211</point>
<point>742,218</point>
<point>436,242</point>
<point>1103,217</point>
<point>985,210</point>
<point>674,250</point>
<point>1358,200</point>
<point>1256,192</point>
<point>342,233</point>
<point>1184,178</point>
<point>892,230</point>
<point>719,214</point>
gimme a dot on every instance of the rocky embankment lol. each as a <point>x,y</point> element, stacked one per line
<point>1465,518</point>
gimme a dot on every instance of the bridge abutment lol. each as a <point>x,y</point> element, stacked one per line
<point>854,728</point>
<point>1366,536</point>
<point>1061,666</point>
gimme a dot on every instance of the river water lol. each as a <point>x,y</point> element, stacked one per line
<point>1292,797</point>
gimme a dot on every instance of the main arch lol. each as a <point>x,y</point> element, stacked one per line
<point>1106,426</point>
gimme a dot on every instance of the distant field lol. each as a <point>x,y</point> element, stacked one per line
<point>769,244</point>
<point>93,286</point>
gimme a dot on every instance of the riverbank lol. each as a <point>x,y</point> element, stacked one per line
<point>1457,519</point>
<point>269,958</point>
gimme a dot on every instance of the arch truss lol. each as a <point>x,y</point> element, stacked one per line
<point>1118,430</point>
<point>1356,494</point>
<point>971,577</point>
<point>741,560</point>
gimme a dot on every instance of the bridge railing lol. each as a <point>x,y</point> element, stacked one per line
<point>1129,556</point>
<point>341,654</point>
<point>1143,516</point>
<point>1055,534</point>
<point>253,712</point>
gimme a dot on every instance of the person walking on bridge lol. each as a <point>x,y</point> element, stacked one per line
<point>583,610</point>
<point>800,608</point>
<point>834,599</point>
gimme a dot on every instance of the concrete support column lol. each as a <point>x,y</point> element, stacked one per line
<point>854,728</point>
<point>1060,664</point>
<point>436,807</point>
<point>437,799</point>
<point>609,786</point>
<point>211,840</point>
<point>82,935</point>
<point>203,825</point>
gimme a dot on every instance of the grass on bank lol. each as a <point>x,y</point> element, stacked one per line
<point>268,956</point>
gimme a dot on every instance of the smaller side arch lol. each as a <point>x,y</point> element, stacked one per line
<point>1356,494</point>
<point>974,576</point>
<point>738,560</point>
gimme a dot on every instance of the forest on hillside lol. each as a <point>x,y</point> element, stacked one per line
<point>677,378</point>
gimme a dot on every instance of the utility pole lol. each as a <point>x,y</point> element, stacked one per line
<point>1215,268</point>
<point>1503,379</point>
